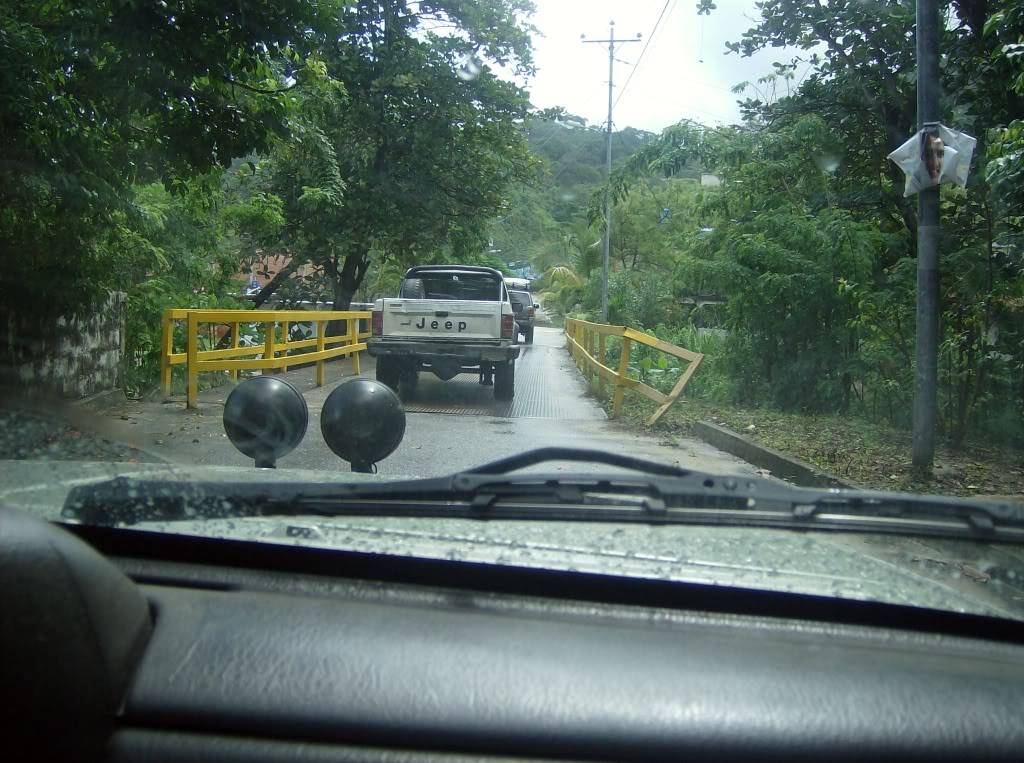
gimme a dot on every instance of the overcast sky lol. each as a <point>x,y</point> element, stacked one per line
<point>683,74</point>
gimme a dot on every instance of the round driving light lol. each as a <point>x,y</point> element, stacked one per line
<point>265,418</point>
<point>363,422</point>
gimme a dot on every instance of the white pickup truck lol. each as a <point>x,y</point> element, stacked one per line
<point>448,319</point>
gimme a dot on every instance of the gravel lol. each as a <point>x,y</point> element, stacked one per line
<point>35,436</point>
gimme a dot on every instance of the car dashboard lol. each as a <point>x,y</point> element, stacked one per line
<point>123,645</point>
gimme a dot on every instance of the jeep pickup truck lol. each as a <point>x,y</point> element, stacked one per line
<point>447,319</point>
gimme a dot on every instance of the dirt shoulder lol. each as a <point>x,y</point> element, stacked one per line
<point>854,450</point>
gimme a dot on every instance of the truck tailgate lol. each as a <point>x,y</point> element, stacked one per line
<point>447,319</point>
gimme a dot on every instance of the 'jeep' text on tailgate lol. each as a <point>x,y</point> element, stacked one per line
<point>448,325</point>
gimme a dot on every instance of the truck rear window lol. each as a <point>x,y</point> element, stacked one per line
<point>452,286</point>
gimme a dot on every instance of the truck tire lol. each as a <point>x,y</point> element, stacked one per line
<point>505,380</point>
<point>389,371</point>
<point>529,335</point>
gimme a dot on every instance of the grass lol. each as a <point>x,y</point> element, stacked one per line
<point>858,451</point>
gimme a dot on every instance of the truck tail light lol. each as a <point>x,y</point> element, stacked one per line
<point>530,313</point>
<point>508,323</point>
<point>377,323</point>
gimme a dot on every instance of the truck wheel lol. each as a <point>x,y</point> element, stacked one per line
<point>388,372</point>
<point>505,380</point>
<point>529,335</point>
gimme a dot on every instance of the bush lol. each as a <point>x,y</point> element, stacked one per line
<point>144,327</point>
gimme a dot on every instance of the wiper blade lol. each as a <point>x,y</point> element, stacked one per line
<point>126,500</point>
<point>579,455</point>
<point>662,495</point>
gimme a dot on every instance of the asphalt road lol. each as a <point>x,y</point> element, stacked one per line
<point>450,426</point>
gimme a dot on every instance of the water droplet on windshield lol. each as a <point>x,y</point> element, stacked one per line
<point>469,69</point>
<point>827,163</point>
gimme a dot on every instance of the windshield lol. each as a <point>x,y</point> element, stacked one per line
<point>776,242</point>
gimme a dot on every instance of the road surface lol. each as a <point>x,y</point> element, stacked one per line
<point>450,426</point>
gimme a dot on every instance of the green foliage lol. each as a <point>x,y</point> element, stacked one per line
<point>788,278</point>
<point>636,299</point>
<point>97,97</point>
<point>330,131</point>
<point>810,241</point>
<point>544,221</point>
<point>143,334</point>
<point>181,250</point>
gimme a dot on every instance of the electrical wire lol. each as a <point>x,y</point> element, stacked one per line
<point>700,45</point>
<point>647,43</point>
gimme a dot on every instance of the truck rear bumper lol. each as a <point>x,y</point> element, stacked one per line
<point>462,353</point>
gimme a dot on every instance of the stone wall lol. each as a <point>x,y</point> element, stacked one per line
<point>74,357</point>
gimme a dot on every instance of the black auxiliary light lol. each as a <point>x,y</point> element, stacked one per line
<point>265,418</point>
<point>362,421</point>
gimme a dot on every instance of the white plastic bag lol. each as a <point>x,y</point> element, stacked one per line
<point>964,145</point>
<point>932,157</point>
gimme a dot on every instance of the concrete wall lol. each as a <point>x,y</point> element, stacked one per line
<point>74,357</point>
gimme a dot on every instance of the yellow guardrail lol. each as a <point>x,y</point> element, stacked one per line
<point>587,345</point>
<point>272,355</point>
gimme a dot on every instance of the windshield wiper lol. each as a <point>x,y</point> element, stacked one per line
<point>653,494</point>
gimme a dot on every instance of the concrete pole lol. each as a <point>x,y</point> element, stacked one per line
<point>927,334</point>
<point>606,241</point>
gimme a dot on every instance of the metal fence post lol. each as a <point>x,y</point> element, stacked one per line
<point>321,327</point>
<point>353,340</point>
<point>166,350</point>
<point>620,378</point>
<point>285,340</point>
<point>192,363</point>
<point>234,346</point>
<point>591,349</point>
<point>268,347</point>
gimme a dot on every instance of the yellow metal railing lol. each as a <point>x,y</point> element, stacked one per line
<point>587,345</point>
<point>272,355</point>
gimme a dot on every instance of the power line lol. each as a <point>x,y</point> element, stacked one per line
<point>700,45</point>
<point>647,43</point>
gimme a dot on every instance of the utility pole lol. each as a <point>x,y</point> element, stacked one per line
<point>927,331</point>
<point>611,42</point>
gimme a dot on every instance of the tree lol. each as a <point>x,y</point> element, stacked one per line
<point>425,147</point>
<point>96,97</point>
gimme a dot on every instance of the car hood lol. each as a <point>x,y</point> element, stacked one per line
<point>955,575</point>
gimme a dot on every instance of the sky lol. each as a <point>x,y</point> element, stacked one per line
<point>683,74</point>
